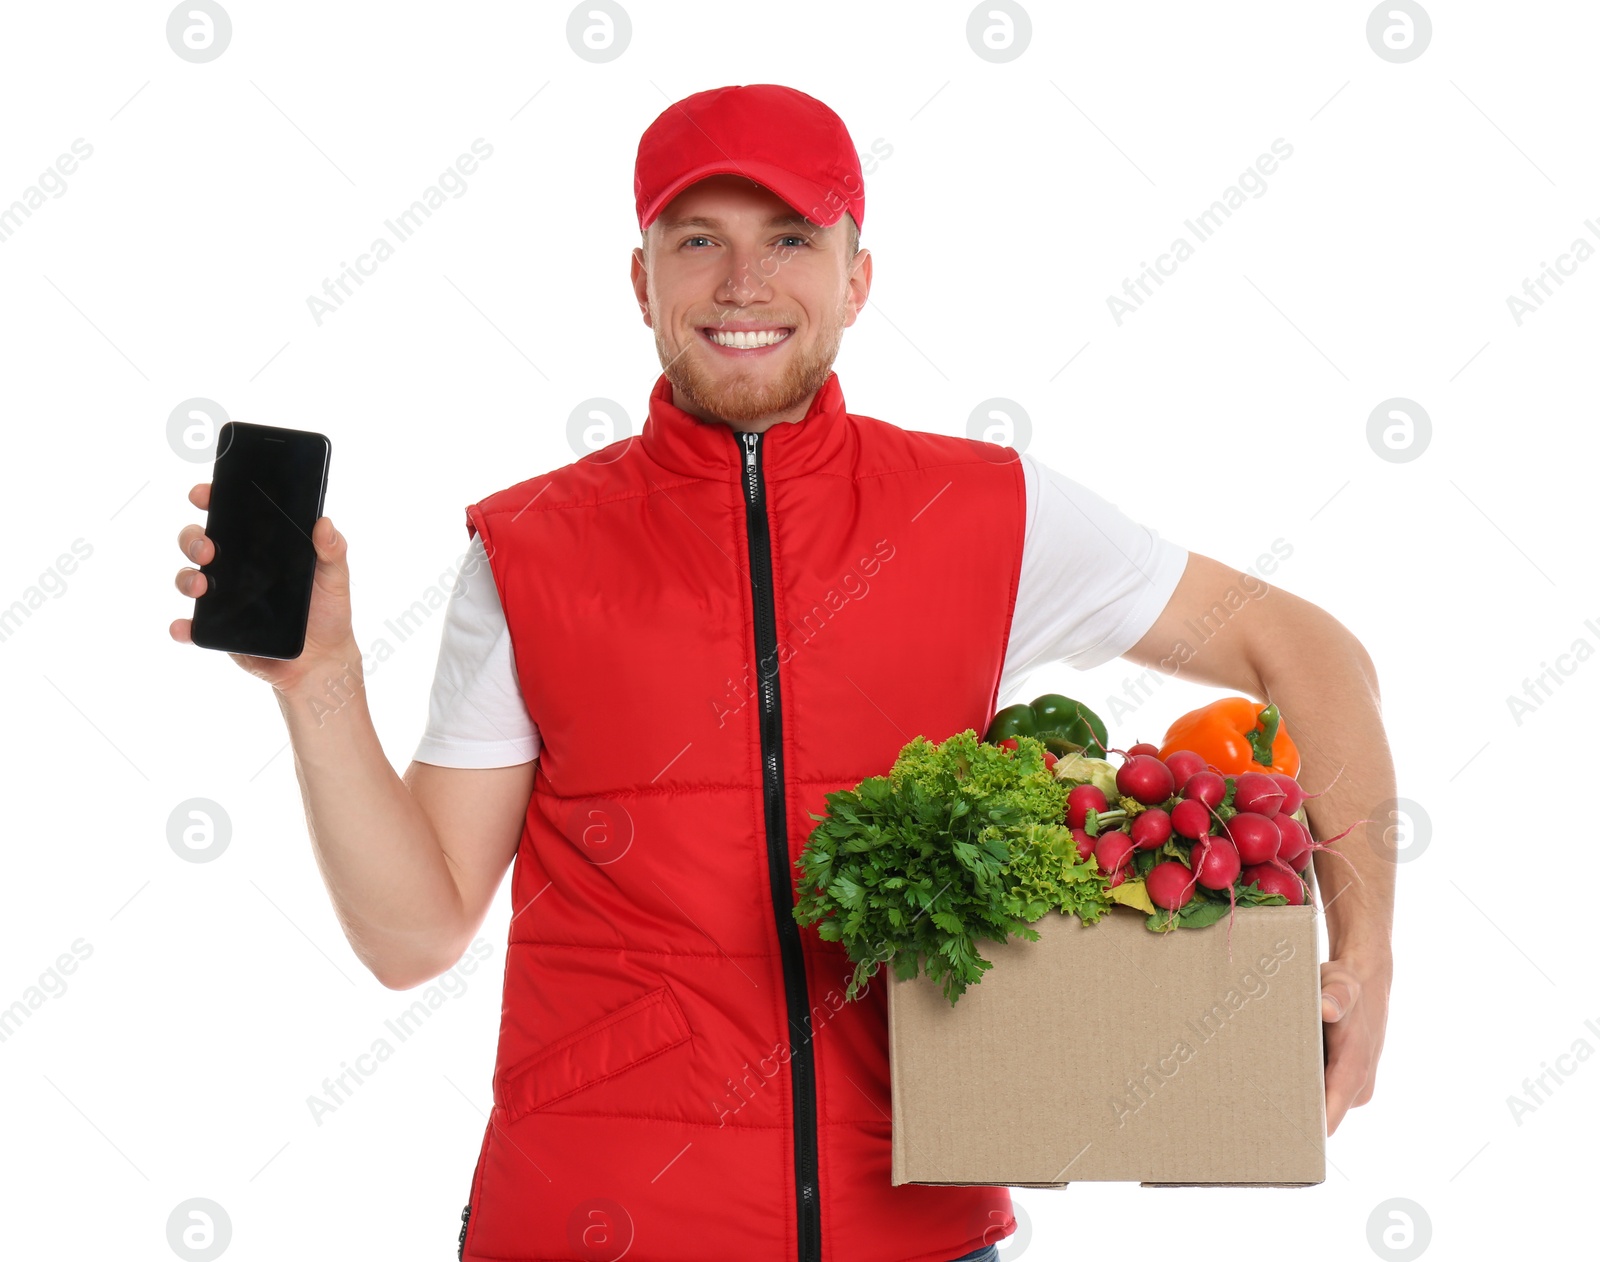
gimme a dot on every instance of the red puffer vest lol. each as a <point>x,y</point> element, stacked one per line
<point>678,1075</point>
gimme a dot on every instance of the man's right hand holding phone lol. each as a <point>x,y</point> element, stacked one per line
<point>330,647</point>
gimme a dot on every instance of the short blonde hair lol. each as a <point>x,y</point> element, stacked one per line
<point>852,234</point>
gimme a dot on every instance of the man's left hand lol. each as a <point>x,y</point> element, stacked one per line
<point>1355,1010</point>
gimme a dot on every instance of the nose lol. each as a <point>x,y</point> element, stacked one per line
<point>746,279</point>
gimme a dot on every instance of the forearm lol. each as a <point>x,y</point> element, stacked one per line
<point>1327,689</point>
<point>384,868</point>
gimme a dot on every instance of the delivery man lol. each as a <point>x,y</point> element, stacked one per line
<point>663,656</point>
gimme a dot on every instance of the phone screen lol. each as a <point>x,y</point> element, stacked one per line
<point>267,487</point>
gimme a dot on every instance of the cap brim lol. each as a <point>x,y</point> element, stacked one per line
<point>804,196</point>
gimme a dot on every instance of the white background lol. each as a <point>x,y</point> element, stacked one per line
<point>1230,411</point>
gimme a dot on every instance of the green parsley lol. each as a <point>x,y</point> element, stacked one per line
<point>959,841</point>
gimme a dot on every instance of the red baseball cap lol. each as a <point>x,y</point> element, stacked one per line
<point>779,137</point>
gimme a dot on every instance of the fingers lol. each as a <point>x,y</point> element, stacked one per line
<point>332,549</point>
<point>1339,994</point>
<point>1340,1090</point>
<point>1349,1072</point>
<point>326,538</point>
<point>190,582</point>
<point>1349,1084</point>
<point>1352,1041</point>
<point>193,543</point>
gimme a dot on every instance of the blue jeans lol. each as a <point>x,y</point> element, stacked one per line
<point>989,1253</point>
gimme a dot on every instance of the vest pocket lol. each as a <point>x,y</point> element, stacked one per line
<point>619,1040</point>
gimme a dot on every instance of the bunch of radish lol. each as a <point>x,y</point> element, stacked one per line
<point>1241,834</point>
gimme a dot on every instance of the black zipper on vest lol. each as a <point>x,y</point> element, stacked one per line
<point>802,1071</point>
<point>461,1241</point>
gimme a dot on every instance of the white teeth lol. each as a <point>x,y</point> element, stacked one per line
<point>747,341</point>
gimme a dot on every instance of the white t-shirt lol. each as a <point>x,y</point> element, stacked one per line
<point>1093,581</point>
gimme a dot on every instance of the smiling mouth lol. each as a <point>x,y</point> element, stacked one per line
<point>746,339</point>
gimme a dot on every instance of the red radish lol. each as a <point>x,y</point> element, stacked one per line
<point>1170,885</point>
<point>1084,842</point>
<point>1144,747</point>
<point>1256,836</point>
<point>1049,760</point>
<point>1145,779</point>
<point>1184,763</point>
<point>1259,792</point>
<point>1080,801</point>
<point>1206,786</point>
<point>1010,743</point>
<point>1216,866</point>
<point>1312,845</point>
<point>1150,828</point>
<point>1113,851</point>
<point>1191,819</point>
<point>1216,863</point>
<point>1294,843</point>
<point>1293,794</point>
<point>1276,878</point>
<point>1117,877</point>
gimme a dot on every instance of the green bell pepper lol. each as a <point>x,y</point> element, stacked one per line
<point>1062,725</point>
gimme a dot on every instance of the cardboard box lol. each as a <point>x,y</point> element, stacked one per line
<point>1109,1052</point>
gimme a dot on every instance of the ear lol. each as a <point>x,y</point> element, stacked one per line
<point>858,285</point>
<point>640,278</point>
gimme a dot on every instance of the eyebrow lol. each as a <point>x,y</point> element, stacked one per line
<point>791,220</point>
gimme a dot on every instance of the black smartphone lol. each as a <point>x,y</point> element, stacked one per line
<point>267,488</point>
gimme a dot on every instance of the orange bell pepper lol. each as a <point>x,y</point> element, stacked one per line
<point>1236,734</point>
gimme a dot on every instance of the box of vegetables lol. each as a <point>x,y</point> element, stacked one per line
<point>1149,1010</point>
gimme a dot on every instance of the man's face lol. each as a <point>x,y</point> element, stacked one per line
<point>728,255</point>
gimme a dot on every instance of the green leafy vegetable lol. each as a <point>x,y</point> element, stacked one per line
<point>960,841</point>
<point>1082,769</point>
<point>1209,906</point>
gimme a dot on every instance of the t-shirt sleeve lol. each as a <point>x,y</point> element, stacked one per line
<point>1093,580</point>
<point>476,713</point>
